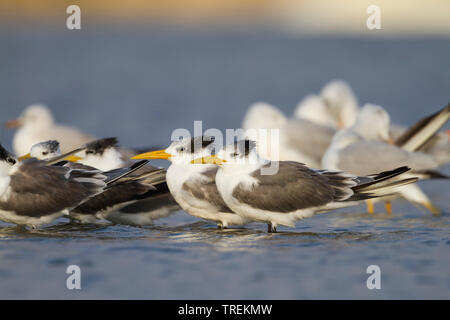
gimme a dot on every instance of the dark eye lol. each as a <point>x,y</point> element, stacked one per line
<point>234,155</point>
<point>89,152</point>
<point>11,160</point>
<point>182,149</point>
<point>44,153</point>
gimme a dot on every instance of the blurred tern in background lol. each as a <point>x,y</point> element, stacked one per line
<point>367,147</point>
<point>336,106</point>
<point>36,124</point>
<point>306,137</point>
<point>424,137</point>
<point>299,140</point>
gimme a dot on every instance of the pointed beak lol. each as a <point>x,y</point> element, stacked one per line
<point>16,123</point>
<point>66,156</point>
<point>209,160</point>
<point>158,154</point>
<point>27,156</point>
<point>72,158</point>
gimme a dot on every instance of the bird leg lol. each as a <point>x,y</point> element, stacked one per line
<point>370,207</point>
<point>271,228</point>
<point>388,206</point>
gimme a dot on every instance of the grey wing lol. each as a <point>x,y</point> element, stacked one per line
<point>365,158</point>
<point>117,194</point>
<point>309,138</point>
<point>38,189</point>
<point>207,190</point>
<point>156,202</point>
<point>295,187</point>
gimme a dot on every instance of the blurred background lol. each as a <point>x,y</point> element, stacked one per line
<point>138,69</point>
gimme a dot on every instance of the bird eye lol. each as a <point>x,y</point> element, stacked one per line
<point>44,153</point>
<point>182,149</point>
<point>89,152</point>
<point>11,160</point>
<point>234,155</point>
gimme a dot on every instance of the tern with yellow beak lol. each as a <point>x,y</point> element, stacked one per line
<point>47,150</point>
<point>292,193</point>
<point>193,185</point>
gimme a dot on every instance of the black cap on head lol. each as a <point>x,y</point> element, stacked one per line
<point>5,155</point>
<point>244,146</point>
<point>200,142</point>
<point>99,146</point>
<point>52,145</point>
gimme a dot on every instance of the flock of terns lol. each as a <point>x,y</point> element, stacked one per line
<point>331,154</point>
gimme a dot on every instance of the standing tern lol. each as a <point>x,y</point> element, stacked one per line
<point>295,191</point>
<point>193,185</point>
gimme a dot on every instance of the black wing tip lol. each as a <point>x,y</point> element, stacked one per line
<point>139,164</point>
<point>391,173</point>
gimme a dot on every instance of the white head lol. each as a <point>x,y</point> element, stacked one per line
<point>183,151</point>
<point>341,103</point>
<point>45,150</point>
<point>239,157</point>
<point>34,117</point>
<point>314,109</point>
<point>101,154</point>
<point>262,115</point>
<point>373,123</point>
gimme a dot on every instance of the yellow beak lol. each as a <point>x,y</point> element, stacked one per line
<point>72,158</point>
<point>158,154</point>
<point>209,160</point>
<point>16,123</point>
<point>27,156</point>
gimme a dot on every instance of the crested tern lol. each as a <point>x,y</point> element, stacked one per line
<point>193,185</point>
<point>295,191</point>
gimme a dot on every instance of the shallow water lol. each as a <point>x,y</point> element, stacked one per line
<point>141,84</point>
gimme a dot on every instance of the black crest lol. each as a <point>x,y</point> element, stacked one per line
<point>244,146</point>
<point>200,143</point>
<point>52,145</point>
<point>99,146</point>
<point>4,154</point>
